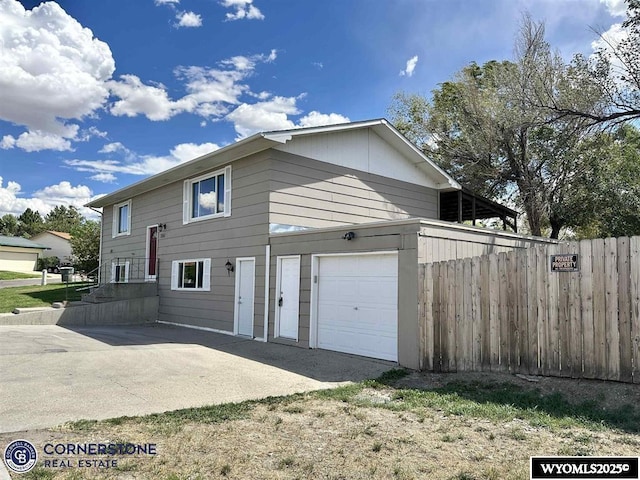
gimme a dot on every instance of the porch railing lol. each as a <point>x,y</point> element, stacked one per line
<point>128,270</point>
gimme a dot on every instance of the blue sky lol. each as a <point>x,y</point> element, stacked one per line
<point>95,95</point>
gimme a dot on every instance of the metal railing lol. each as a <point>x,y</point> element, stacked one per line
<point>128,270</point>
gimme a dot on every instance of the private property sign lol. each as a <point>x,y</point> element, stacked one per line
<point>567,262</point>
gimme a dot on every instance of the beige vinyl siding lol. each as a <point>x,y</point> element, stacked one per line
<point>314,194</point>
<point>453,241</point>
<point>243,234</point>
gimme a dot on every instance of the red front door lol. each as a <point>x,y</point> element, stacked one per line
<point>152,248</point>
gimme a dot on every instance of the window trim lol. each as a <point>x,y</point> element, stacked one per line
<point>116,219</point>
<point>187,196</point>
<point>206,275</point>
<point>114,266</point>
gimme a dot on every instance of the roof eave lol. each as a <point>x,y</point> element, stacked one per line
<point>247,146</point>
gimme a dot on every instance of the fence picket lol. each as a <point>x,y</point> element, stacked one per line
<point>624,310</point>
<point>542,303</point>
<point>512,309</point>
<point>503,317</point>
<point>485,308</point>
<point>523,336</point>
<point>494,301</point>
<point>438,318</point>
<point>460,306</point>
<point>586,307</point>
<point>575,319</point>
<point>635,306</point>
<point>611,308</point>
<point>476,312</point>
<point>553,327</point>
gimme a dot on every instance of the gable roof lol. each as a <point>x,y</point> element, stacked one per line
<point>20,242</point>
<point>265,140</point>
<point>63,235</point>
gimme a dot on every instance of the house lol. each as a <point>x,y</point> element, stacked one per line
<point>59,244</point>
<point>310,237</point>
<point>18,254</point>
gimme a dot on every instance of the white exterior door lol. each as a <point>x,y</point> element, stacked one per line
<point>357,304</point>
<point>245,292</point>
<point>288,297</point>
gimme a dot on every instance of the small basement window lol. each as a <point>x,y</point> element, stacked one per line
<point>208,196</point>
<point>119,272</point>
<point>192,275</point>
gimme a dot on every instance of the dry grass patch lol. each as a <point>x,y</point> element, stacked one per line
<point>459,427</point>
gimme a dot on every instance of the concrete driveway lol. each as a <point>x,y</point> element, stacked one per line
<point>50,374</point>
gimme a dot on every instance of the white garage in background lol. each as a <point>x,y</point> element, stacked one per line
<point>355,304</point>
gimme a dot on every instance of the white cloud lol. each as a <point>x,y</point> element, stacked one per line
<point>410,68</point>
<point>142,165</point>
<point>188,151</point>
<point>317,119</point>
<point>113,147</point>
<point>188,19</point>
<point>264,116</point>
<point>14,201</point>
<point>138,98</point>
<point>104,177</point>
<point>166,2</point>
<point>244,9</point>
<point>210,91</point>
<point>35,141</point>
<point>51,70</point>
<point>7,142</point>
<point>616,8</point>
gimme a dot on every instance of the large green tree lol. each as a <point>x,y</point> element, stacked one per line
<point>609,197</point>
<point>85,245</point>
<point>9,225</point>
<point>63,219</point>
<point>30,223</point>
<point>481,128</point>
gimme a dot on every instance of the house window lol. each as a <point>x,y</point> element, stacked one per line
<point>120,272</point>
<point>208,196</point>
<point>122,219</point>
<point>192,275</point>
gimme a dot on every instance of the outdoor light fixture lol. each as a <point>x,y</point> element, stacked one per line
<point>162,227</point>
<point>229,267</point>
<point>349,236</point>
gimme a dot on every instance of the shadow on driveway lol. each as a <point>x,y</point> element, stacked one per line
<point>50,374</point>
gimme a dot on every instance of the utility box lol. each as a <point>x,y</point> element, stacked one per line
<point>66,273</point>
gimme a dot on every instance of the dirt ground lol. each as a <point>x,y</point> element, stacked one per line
<point>380,431</point>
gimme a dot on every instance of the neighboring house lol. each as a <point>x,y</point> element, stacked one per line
<point>18,254</point>
<point>310,237</point>
<point>59,244</point>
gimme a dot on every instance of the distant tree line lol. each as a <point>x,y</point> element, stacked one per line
<point>557,140</point>
<point>85,234</point>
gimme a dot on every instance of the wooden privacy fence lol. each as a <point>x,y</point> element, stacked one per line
<point>510,312</point>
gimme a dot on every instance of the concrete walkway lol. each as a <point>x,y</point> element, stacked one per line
<point>50,374</point>
<point>25,282</point>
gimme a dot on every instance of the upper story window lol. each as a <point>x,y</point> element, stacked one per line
<point>122,219</point>
<point>208,196</point>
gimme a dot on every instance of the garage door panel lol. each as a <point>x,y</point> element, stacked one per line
<point>358,304</point>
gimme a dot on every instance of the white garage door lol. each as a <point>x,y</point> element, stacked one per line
<point>358,305</point>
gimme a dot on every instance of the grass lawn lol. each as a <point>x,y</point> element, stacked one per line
<point>4,275</point>
<point>36,296</point>
<point>400,426</point>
